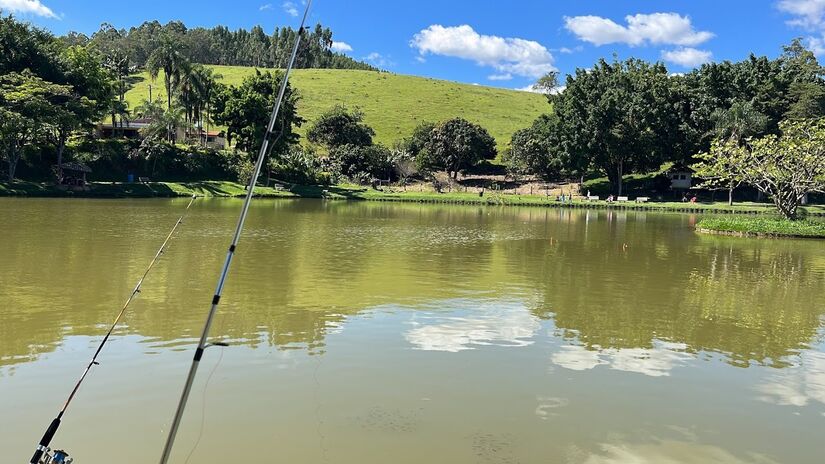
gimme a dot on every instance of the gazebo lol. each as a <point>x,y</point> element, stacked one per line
<point>76,174</point>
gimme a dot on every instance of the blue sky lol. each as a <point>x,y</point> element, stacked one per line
<point>503,44</point>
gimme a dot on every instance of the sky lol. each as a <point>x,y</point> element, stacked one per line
<point>486,42</point>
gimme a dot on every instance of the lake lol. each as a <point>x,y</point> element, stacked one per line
<point>366,332</point>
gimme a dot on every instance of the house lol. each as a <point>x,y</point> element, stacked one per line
<point>128,129</point>
<point>681,177</point>
<point>132,130</point>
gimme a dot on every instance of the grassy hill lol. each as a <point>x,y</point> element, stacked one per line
<point>393,104</point>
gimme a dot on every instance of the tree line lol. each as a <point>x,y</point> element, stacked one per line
<point>624,117</point>
<point>54,91</point>
<point>218,45</point>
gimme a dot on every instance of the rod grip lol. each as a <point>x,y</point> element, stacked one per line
<point>45,441</point>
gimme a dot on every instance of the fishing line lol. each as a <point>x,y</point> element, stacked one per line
<point>203,406</point>
<point>43,446</point>
<point>322,439</point>
<point>203,344</point>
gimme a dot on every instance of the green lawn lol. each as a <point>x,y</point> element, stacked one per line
<point>393,104</point>
<point>762,226</point>
<point>354,192</point>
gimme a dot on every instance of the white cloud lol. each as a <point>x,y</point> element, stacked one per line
<point>268,6</point>
<point>816,45</point>
<point>291,8</point>
<point>341,47</point>
<point>500,77</point>
<point>687,56</point>
<point>810,14</point>
<point>35,7</point>
<point>506,55</point>
<point>534,89</point>
<point>656,28</point>
<point>377,59</point>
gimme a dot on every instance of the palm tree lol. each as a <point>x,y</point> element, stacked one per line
<point>736,124</point>
<point>196,89</point>
<point>162,119</point>
<point>167,58</point>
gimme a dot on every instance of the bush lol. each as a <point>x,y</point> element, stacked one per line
<point>763,226</point>
<point>362,164</point>
<point>237,165</point>
<point>299,167</point>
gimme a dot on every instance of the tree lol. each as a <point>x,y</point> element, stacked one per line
<point>23,46</point>
<point>27,102</point>
<point>162,119</point>
<point>403,161</point>
<point>806,91</point>
<point>198,83</point>
<point>540,150</point>
<point>786,167</point>
<point>91,95</point>
<point>245,111</point>
<point>339,126</point>
<point>735,125</point>
<point>619,117</point>
<point>548,83</point>
<point>362,163</point>
<point>167,57</point>
<point>456,145</point>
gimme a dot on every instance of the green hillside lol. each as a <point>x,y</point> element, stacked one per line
<point>392,104</point>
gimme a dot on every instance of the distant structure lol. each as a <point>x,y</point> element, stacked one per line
<point>73,176</point>
<point>132,130</point>
<point>681,177</point>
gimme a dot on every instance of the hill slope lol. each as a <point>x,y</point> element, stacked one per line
<point>393,104</point>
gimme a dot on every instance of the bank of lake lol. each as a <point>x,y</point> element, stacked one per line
<point>354,192</point>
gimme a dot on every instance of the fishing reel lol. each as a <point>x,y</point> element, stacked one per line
<point>55,457</point>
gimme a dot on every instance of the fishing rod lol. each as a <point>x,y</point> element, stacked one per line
<point>216,299</point>
<point>43,446</point>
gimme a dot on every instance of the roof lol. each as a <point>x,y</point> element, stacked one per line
<point>680,167</point>
<point>79,167</point>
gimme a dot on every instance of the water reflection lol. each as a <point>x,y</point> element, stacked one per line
<point>470,324</point>
<point>654,362</point>
<point>798,385</point>
<point>611,281</point>
<point>365,330</point>
<point>669,452</point>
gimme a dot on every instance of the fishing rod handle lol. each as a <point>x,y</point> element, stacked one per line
<point>45,441</point>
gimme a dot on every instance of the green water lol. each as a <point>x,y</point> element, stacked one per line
<point>372,333</point>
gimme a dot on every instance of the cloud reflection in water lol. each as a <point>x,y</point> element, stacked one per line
<point>657,361</point>
<point>799,385</point>
<point>669,452</point>
<point>474,323</point>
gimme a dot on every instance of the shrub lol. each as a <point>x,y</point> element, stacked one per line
<point>362,164</point>
<point>298,166</point>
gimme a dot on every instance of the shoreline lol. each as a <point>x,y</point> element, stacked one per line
<point>732,233</point>
<point>761,227</point>
<point>226,189</point>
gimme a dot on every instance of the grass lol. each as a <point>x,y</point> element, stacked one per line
<point>393,104</point>
<point>762,226</point>
<point>133,190</point>
<point>354,192</point>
